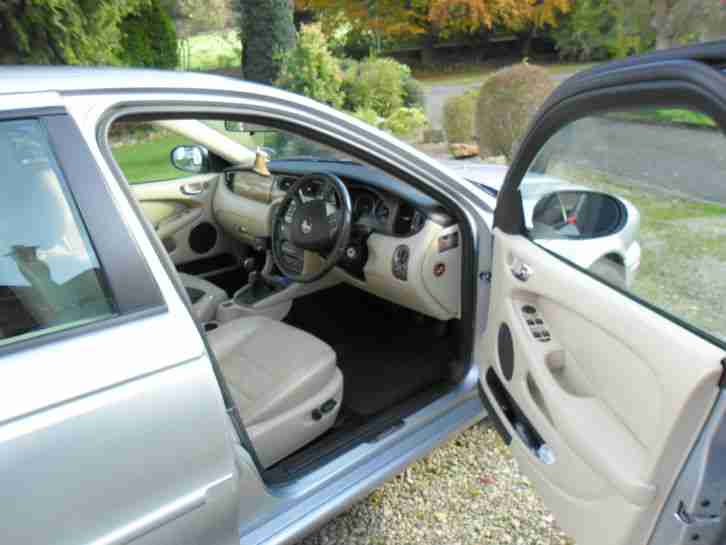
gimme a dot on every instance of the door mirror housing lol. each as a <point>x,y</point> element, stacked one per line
<point>190,158</point>
<point>577,214</point>
<point>233,126</point>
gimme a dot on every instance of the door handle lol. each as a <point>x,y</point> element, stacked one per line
<point>194,188</point>
<point>521,272</point>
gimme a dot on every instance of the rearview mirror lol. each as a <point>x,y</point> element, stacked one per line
<point>190,158</point>
<point>577,214</point>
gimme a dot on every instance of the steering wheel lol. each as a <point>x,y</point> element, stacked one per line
<point>314,217</point>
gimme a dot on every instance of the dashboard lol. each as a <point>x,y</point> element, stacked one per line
<point>404,246</point>
<point>376,210</point>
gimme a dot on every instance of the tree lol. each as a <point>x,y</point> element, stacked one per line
<point>268,32</point>
<point>63,31</point>
<point>196,16</point>
<point>432,18</point>
<point>681,21</point>
<point>149,38</point>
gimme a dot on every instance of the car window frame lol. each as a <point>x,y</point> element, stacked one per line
<point>673,84</point>
<point>132,288</point>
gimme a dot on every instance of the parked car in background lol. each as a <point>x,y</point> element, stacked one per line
<point>596,230</point>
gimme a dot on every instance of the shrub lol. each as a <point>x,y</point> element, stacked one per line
<point>311,70</point>
<point>149,38</point>
<point>600,29</point>
<point>413,94</point>
<point>367,115</point>
<point>508,100</point>
<point>406,122</point>
<point>375,84</point>
<point>459,115</point>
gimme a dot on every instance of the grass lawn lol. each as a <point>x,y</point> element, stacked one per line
<point>475,73</point>
<point>668,115</point>
<point>149,160</point>
<point>208,51</point>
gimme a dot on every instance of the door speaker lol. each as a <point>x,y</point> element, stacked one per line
<point>506,351</point>
<point>203,238</point>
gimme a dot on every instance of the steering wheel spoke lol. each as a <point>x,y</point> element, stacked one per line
<point>311,228</point>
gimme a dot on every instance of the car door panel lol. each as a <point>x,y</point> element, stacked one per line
<point>617,412</point>
<point>113,427</point>
<point>181,213</point>
<point>603,389</point>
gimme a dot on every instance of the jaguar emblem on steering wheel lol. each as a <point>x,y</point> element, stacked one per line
<point>306,226</point>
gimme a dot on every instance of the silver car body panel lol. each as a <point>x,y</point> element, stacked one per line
<point>164,356</point>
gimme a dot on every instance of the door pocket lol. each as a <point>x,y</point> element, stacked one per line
<point>518,420</point>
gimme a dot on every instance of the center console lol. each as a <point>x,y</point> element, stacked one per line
<point>268,294</point>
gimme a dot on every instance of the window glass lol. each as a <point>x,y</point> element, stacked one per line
<point>143,151</point>
<point>50,278</point>
<point>638,199</point>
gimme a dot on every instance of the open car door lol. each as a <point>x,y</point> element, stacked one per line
<point>602,363</point>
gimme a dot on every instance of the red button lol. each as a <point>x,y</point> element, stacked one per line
<point>439,269</point>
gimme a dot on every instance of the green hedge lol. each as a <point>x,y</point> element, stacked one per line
<point>508,100</point>
<point>149,38</point>
<point>459,115</point>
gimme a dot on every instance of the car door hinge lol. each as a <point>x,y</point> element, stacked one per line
<point>722,380</point>
<point>705,530</point>
<point>486,276</point>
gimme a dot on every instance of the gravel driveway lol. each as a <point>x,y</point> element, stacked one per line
<point>467,491</point>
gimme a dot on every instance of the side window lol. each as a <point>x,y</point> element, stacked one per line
<point>638,198</point>
<point>50,278</point>
<point>143,151</point>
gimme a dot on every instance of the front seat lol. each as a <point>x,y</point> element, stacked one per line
<point>204,296</point>
<point>285,382</point>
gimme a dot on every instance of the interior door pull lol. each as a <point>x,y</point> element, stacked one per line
<point>194,188</point>
<point>521,272</point>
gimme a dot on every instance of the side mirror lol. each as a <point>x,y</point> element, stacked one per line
<point>233,126</point>
<point>577,214</point>
<point>192,158</point>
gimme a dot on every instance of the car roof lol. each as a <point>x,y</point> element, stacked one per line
<point>70,79</point>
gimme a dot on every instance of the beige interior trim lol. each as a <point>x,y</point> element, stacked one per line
<point>173,214</point>
<point>619,394</point>
<point>438,297</point>
<point>242,217</point>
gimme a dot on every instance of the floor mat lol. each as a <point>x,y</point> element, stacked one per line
<point>386,352</point>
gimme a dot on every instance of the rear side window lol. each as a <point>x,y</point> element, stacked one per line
<point>50,277</point>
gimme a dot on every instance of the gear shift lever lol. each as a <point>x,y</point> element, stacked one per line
<point>252,275</point>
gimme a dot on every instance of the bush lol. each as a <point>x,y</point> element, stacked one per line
<point>413,94</point>
<point>311,70</point>
<point>149,38</point>
<point>508,100</point>
<point>459,115</point>
<point>375,84</point>
<point>597,30</point>
<point>406,122</point>
<point>369,116</point>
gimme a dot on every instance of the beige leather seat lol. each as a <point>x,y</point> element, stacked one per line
<point>285,381</point>
<point>205,297</point>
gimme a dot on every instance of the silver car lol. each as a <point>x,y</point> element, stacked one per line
<point>203,344</point>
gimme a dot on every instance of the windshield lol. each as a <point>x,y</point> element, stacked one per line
<point>277,143</point>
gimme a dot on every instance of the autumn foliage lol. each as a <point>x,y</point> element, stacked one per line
<point>397,18</point>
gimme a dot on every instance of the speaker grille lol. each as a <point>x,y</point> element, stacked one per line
<point>203,238</point>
